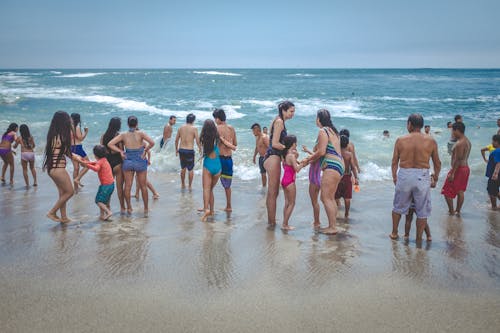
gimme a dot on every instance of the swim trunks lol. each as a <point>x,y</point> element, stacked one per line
<point>493,187</point>
<point>344,189</point>
<point>413,184</point>
<point>78,149</point>
<point>28,156</point>
<point>226,177</point>
<point>134,161</point>
<point>261,164</point>
<point>459,183</point>
<point>104,193</point>
<point>315,172</point>
<point>186,157</point>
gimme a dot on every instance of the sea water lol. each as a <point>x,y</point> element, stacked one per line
<point>366,101</point>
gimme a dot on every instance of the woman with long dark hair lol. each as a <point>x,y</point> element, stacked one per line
<point>274,156</point>
<point>212,167</point>
<point>6,151</point>
<point>57,149</point>
<point>134,160</point>
<point>27,154</point>
<point>115,159</point>
<point>77,148</point>
<point>332,164</point>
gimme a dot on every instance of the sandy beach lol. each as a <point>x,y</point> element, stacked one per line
<point>173,273</point>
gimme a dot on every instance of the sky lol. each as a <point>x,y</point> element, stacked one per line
<point>249,34</point>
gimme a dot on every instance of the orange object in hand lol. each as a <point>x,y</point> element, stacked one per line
<point>356,188</point>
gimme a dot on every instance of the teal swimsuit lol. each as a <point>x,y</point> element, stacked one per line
<point>213,165</point>
<point>332,163</point>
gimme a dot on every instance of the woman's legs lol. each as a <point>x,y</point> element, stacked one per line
<point>24,164</point>
<point>314,194</point>
<point>141,183</point>
<point>329,183</point>
<point>273,168</point>
<point>290,194</point>
<point>118,173</point>
<point>206,182</point>
<point>129,177</point>
<point>8,161</point>
<point>77,174</point>
<point>63,182</point>
<point>33,172</point>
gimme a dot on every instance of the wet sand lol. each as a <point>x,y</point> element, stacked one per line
<point>173,273</point>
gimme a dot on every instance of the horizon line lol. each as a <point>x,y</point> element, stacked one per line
<point>247,68</point>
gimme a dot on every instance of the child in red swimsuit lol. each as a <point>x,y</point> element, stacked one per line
<point>290,166</point>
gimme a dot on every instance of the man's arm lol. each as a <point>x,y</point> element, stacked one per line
<point>355,158</point>
<point>436,162</point>
<point>483,153</point>
<point>395,162</point>
<point>197,138</point>
<point>255,151</point>
<point>177,137</point>
<point>495,173</point>
<point>458,150</point>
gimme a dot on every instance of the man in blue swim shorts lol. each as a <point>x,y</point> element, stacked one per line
<point>184,148</point>
<point>227,144</point>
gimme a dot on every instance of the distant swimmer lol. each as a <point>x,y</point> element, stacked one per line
<point>427,129</point>
<point>386,134</point>
<point>410,174</point>
<point>167,131</point>
<point>261,144</point>
<point>227,144</point>
<point>186,136</point>
<point>458,176</point>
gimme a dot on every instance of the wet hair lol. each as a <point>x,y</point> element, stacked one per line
<point>496,138</point>
<point>288,141</point>
<point>346,132</point>
<point>264,128</point>
<point>12,127</point>
<point>325,120</point>
<point>344,141</point>
<point>100,151</point>
<point>25,135</point>
<point>384,132</point>
<point>209,136</point>
<point>458,117</point>
<point>190,118</point>
<point>76,119</point>
<point>458,126</point>
<point>416,120</point>
<point>60,128</point>
<point>255,125</point>
<point>172,117</point>
<point>448,124</point>
<point>427,126</point>
<point>132,121</point>
<point>113,130</point>
<point>284,106</point>
<point>219,114</point>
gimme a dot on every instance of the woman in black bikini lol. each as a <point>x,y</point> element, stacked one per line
<point>115,159</point>
<point>274,155</point>
<point>57,149</point>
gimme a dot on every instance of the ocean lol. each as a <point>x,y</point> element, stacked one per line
<point>366,101</point>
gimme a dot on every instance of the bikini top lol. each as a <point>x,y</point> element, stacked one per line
<point>8,137</point>
<point>330,148</point>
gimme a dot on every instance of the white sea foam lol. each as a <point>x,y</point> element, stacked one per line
<point>484,99</point>
<point>216,73</point>
<point>301,75</point>
<point>81,75</point>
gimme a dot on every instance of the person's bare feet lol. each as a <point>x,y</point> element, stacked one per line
<point>65,220</point>
<point>405,237</point>
<point>228,209</point>
<point>53,217</point>
<point>35,184</point>
<point>457,213</point>
<point>205,216</point>
<point>287,227</point>
<point>451,213</point>
<point>156,196</point>
<point>393,236</point>
<point>146,213</point>
<point>107,216</point>
<point>328,231</point>
<point>129,211</point>
<point>429,239</point>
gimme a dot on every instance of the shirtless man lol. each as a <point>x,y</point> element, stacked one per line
<point>351,148</point>
<point>344,189</point>
<point>227,144</point>
<point>412,153</point>
<point>187,135</point>
<point>456,181</point>
<point>167,131</point>
<point>261,144</point>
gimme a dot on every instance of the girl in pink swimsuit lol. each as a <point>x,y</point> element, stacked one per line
<point>290,166</point>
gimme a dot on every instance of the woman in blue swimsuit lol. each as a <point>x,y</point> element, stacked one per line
<point>328,149</point>
<point>209,138</point>
<point>274,156</point>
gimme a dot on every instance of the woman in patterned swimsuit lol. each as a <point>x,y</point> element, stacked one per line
<point>6,151</point>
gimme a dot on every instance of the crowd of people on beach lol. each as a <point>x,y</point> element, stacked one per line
<point>122,157</point>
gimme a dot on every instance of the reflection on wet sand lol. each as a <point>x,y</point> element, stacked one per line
<point>410,262</point>
<point>122,249</point>
<point>456,246</point>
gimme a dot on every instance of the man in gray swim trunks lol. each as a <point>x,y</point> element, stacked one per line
<point>412,153</point>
